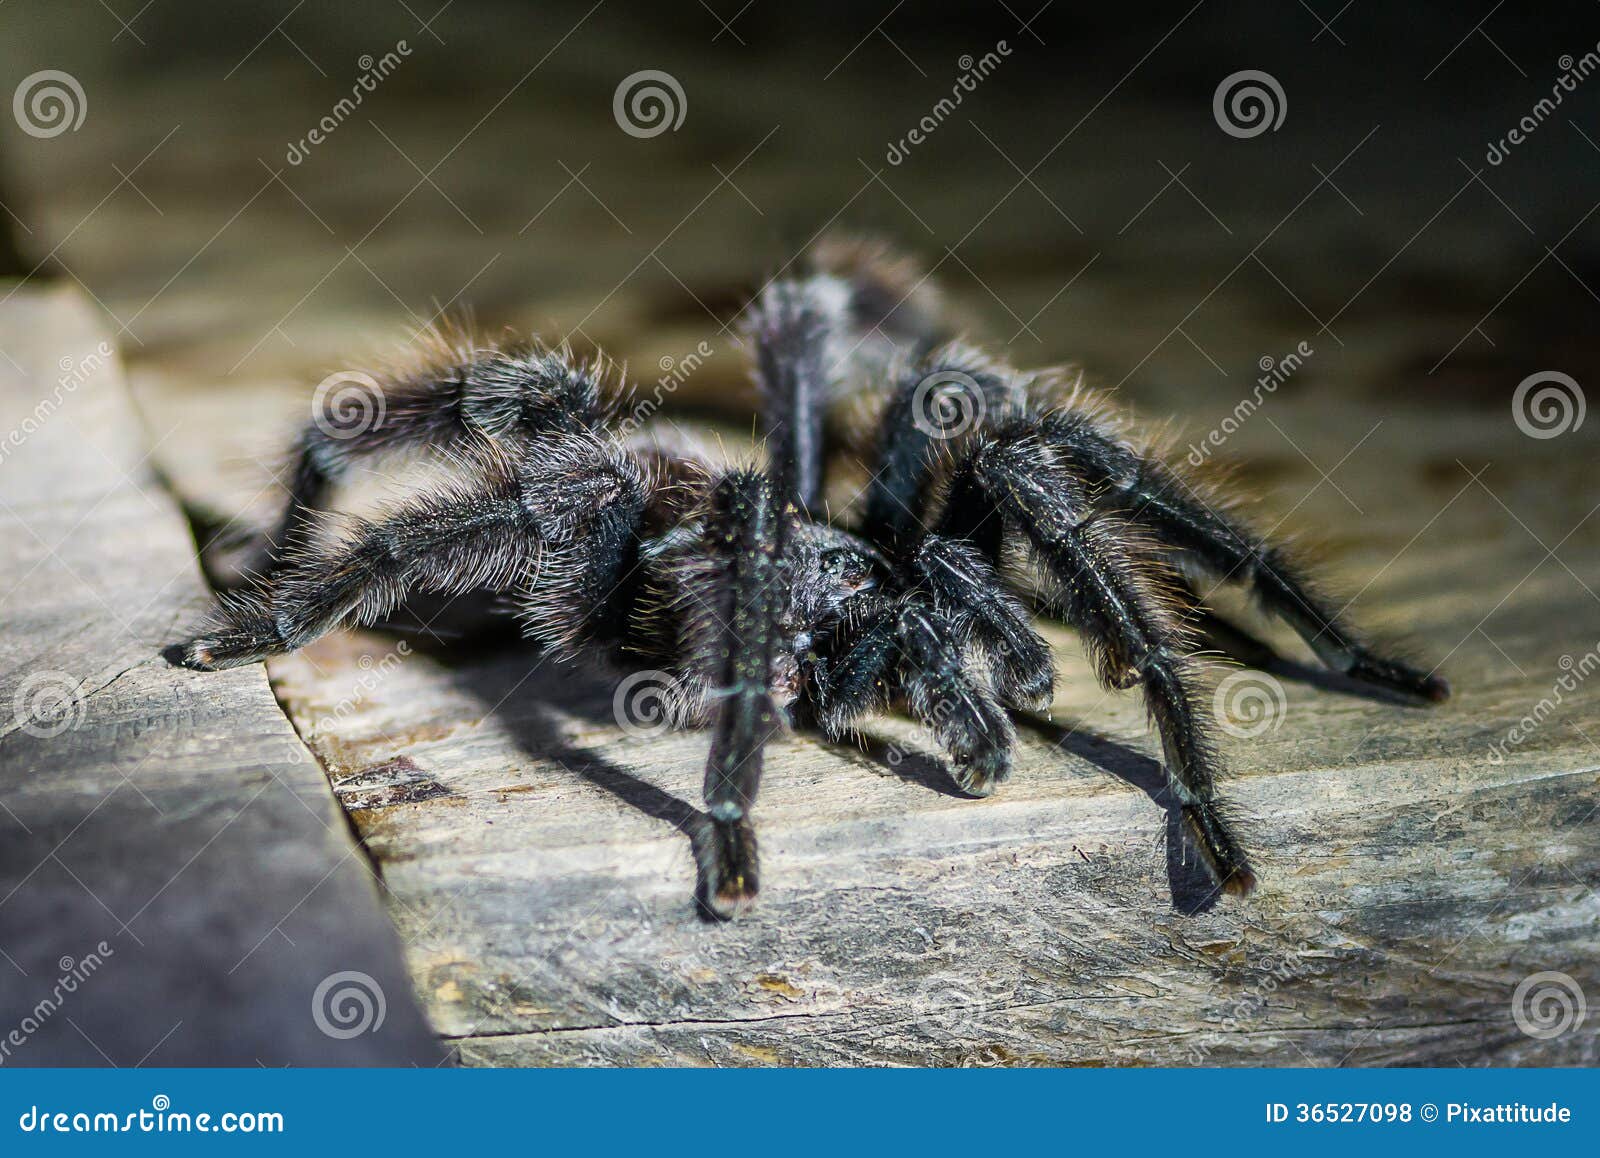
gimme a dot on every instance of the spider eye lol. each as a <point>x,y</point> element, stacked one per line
<point>841,564</point>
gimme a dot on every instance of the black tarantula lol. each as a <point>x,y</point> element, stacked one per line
<point>991,492</point>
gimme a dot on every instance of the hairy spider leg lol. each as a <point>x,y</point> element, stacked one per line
<point>1120,599</point>
<point>747,531</point>
<point>488,529</point>
<point>791,325</point>
<point>459,395</point>
<point>1153,496</point>
<point>965,584</point>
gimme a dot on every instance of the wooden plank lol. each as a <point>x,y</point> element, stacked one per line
<point>539,868</point>
<point>176,886</point>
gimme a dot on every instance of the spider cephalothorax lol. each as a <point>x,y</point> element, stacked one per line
<point>992,495</point>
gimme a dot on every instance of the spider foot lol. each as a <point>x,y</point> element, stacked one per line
<point>1219,852</point>
<point>1400,678</point>
<point>245,633</point>
<point>729,870</point>
<point>983,773</point>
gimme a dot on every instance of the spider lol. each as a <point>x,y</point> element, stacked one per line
<point>992,494</point>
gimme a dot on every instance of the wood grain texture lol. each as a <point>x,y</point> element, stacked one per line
<point>166,842</point>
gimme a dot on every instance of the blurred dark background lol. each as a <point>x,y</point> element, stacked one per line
<point>487,168</point>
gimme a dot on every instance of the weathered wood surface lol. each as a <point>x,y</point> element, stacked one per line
<point>538,858</point>
<point>167,844</point>
<point>901,923</point>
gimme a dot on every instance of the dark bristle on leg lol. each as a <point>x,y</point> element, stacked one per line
<point>458,394</point>
<point>1397,676</point>
<point>972,595</point>
<point>242,631</point>
<point>853,679</point>
<point>747,531</point>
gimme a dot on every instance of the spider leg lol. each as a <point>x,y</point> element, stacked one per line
<point>971,595</point>
<point>1120,598</point>
<point>487,530</point>
<point>968,515</point>
<point>792,325</point>
<point>907,646</point>
<point>934,399</point>
<point>1219,633</point>
<point>459,395</point>
<point>954,385</point>
<point>852,677</point>
<point>835,331</point>
<point>1157,498</point>
<point>960,712</point>
<point>747,530</point>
